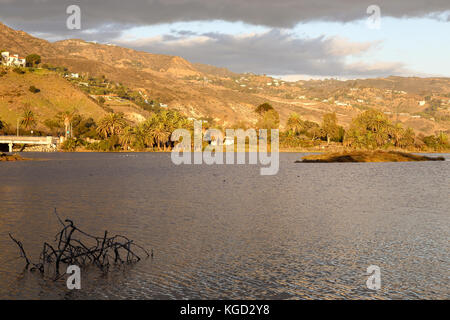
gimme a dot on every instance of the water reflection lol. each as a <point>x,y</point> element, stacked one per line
<point>227,232</point>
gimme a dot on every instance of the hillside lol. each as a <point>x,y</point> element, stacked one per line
<point>56,95</point>
<point>200,90</point>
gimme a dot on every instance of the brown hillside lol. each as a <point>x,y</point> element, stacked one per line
<point>206,91</point>
<point>56,94</point>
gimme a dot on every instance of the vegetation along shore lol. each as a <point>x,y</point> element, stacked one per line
<point>368,131</point>
<point>367,156</point>
<point>14,157</point>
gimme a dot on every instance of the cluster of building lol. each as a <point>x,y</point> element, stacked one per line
<point>13,60</point>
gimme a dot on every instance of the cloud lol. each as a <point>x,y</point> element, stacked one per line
<point>50,15</point>
<point>276,52</point>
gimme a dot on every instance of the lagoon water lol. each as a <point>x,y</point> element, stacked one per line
<point>226,232</point>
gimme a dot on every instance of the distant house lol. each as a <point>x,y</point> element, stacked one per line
<point>228,141</point>
<point>422,103</point>
<point>13,60</point>
<point>72,75</point>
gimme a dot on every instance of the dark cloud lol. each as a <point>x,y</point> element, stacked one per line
<point>276,52</point>
<point>49,15</point>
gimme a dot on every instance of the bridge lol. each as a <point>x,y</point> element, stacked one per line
<point>51,142</point>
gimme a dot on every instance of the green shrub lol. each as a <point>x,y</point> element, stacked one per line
<point>18,70</point>
<point>70,144</point>
<point>110,144</point>
<point>33,89</point>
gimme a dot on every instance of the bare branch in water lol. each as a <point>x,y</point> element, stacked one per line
<point>75,247</point>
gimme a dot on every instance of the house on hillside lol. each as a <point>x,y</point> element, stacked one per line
<point>342,104</point>
<point>13,60</point>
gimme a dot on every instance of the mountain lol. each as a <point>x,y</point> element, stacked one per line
<point>21,42</point>
<point>200,90</point>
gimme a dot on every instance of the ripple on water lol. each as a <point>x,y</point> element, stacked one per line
<point>226,232</point>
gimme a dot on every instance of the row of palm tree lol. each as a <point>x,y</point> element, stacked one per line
<point>153,132</point>
<point>372,129</point>
<point>369,130</point>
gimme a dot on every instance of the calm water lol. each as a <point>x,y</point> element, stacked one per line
<point>226,232</point>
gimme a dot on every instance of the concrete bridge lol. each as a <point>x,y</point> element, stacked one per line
<point>51,142</point>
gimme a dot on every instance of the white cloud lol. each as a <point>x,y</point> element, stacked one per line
<point>273,52</point>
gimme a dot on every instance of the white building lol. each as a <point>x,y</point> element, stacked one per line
<point>13,60</point>
<point>228,141</point>
<point>422,103</point>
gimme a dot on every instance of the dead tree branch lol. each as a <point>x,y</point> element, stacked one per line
<point>75,247</point>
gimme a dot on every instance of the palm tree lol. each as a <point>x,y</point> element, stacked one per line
<point>28,119</point>
<point>160,135</point>
<point>103,128</point>
<point>396,132</point>
<point>126,137</point>
<point>442,139</point>
<point>111,125</point>
<point>117,123</point>
<point>142,137</point>
<point>295,123</point>
<point>68,117</point>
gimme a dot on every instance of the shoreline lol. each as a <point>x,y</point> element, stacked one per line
<point>280,151</point>
<point>367,156</point>
<point>4,157</point>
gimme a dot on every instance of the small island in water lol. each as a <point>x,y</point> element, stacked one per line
<point>367,156</point>
<point>13,157</point>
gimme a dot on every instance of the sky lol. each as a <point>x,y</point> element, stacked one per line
<point>290,39</point>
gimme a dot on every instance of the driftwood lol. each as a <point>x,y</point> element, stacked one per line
<point>73,246</point>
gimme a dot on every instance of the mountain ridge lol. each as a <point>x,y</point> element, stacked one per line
<point>201,90</point>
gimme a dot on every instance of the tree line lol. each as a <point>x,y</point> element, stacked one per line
<point>369,130</point>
